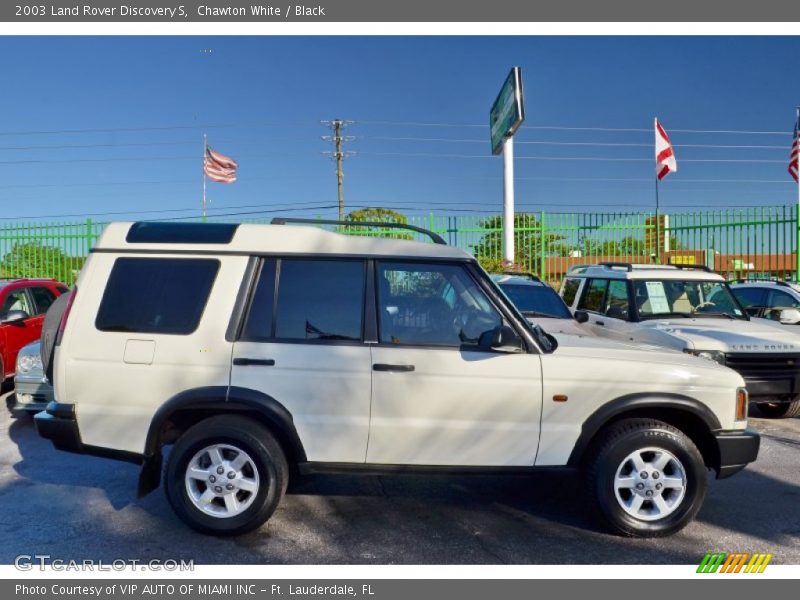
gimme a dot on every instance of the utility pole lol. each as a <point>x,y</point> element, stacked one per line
<point>338,154</point>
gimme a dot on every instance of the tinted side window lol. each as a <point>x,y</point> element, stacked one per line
<point>593,295</point>
<point>156,295</point>
<point>320,299</point>
<point>750,296</point>
<point>617,299</point>
<point>416,305</point>
<point>43,299</point>
<point>570,290</point>
<point>260,316</point>
<point>782,300</point>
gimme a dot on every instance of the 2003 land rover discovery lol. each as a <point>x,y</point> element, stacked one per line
<point>257,351</point>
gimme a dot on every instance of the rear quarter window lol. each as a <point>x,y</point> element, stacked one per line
<point>156,295</point>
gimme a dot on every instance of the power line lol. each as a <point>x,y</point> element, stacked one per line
<point>569,128</point>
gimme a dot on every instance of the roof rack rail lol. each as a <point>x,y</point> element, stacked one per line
<point>780,282</point>
<point>435,237</point>
<point>693,267</point>
<point>622,265</point>
<point>524,274</point>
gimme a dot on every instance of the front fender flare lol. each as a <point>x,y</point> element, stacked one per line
<point>608,411</point>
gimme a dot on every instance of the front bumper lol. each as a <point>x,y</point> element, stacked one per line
<point>31,395</point>
<point>736,450</point>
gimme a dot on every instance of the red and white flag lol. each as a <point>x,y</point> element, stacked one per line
<point>793,155</point>
<point>665,155</point>
<point>218,167</point>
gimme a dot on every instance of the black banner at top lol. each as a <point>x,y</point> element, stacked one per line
<point>463,11</point>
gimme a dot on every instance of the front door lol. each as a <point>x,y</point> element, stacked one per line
<point>437,397</point>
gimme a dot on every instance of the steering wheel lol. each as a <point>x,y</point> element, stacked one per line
<point>702,305</point>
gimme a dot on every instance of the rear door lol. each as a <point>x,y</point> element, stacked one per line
<point>437,397</point>
<point>302,344</point>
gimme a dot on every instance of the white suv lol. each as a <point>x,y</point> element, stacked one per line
<point>691,309</point>
<point>257,351</point>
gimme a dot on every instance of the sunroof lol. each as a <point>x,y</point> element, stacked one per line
<point>181,233</point>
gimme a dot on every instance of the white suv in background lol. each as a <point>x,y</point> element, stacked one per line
<point>691,309</point>
<point>258,351</point>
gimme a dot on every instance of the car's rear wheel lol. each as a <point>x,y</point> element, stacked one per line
<point>646,479</point>
<point>779,410</point>
<point>226,475</point>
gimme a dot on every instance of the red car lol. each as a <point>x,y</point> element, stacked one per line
<point>23,303</point>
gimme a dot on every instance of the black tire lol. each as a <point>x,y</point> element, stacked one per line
<point>779,410</point>
<point>244,434</point>
<point>618,441</point>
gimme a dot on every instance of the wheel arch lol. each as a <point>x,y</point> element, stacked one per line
<point>691,416</point>
<point>190,407</point>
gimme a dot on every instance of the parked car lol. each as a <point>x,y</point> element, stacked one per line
<point>32,390</point>
<point>774,300</point>
<point>23,303</point>
<point>691,309</point>
<point>257,351</point>
<point>539,303</point>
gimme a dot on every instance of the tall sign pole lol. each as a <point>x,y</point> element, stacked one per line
<point>505,117</point>
<point>508,199</point>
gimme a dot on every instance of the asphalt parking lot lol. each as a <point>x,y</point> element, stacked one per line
<point>78,507</point>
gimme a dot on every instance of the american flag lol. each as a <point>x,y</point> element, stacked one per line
<point>665,155</point>
<point>793,156</point>
<point>218,167</point>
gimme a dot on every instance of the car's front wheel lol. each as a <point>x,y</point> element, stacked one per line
<point>779,410</point>
<point>226,475</point>
<point>647,479</point>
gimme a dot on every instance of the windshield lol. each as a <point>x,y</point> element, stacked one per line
<point>690,298</point>
<point>536,300</point>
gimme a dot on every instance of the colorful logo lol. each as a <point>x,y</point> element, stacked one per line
<point>720,562</point>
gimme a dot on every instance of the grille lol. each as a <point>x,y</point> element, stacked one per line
<point>764,365</point>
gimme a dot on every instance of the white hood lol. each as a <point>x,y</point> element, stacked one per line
<point>725,335</point>
<point>558,326</point>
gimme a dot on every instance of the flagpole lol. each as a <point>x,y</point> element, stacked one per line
<point>797,216</point>
<point>658,219</point>
<point>205,153</point>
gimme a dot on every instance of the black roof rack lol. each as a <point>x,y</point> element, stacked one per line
<point>627,266</point>
<point>435,237</point>
<point>693,267</point>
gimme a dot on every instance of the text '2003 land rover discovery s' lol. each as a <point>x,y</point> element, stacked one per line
<point>257,351</point>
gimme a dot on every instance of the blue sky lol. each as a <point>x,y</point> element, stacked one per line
<point>260,99</point>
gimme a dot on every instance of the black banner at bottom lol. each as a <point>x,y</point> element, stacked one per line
<point>385,589</point>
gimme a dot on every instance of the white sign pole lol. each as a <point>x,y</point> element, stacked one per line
<point>508,199</point>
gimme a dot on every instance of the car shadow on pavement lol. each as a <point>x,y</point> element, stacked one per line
<point>77,506</point>
<point>41,463</point>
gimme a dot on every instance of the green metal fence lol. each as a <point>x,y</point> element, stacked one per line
<point>740,243</point>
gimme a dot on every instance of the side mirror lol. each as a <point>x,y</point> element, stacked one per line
<point>790,316</point>
<point>502,338</point>
<point>15,316</point>
<point>581,316</point>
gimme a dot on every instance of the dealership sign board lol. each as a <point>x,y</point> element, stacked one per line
<point>508,111</point>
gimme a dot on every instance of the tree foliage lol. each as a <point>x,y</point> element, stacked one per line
<point>33,259</point>
<point>378,215</point>
<point>529,242</point>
